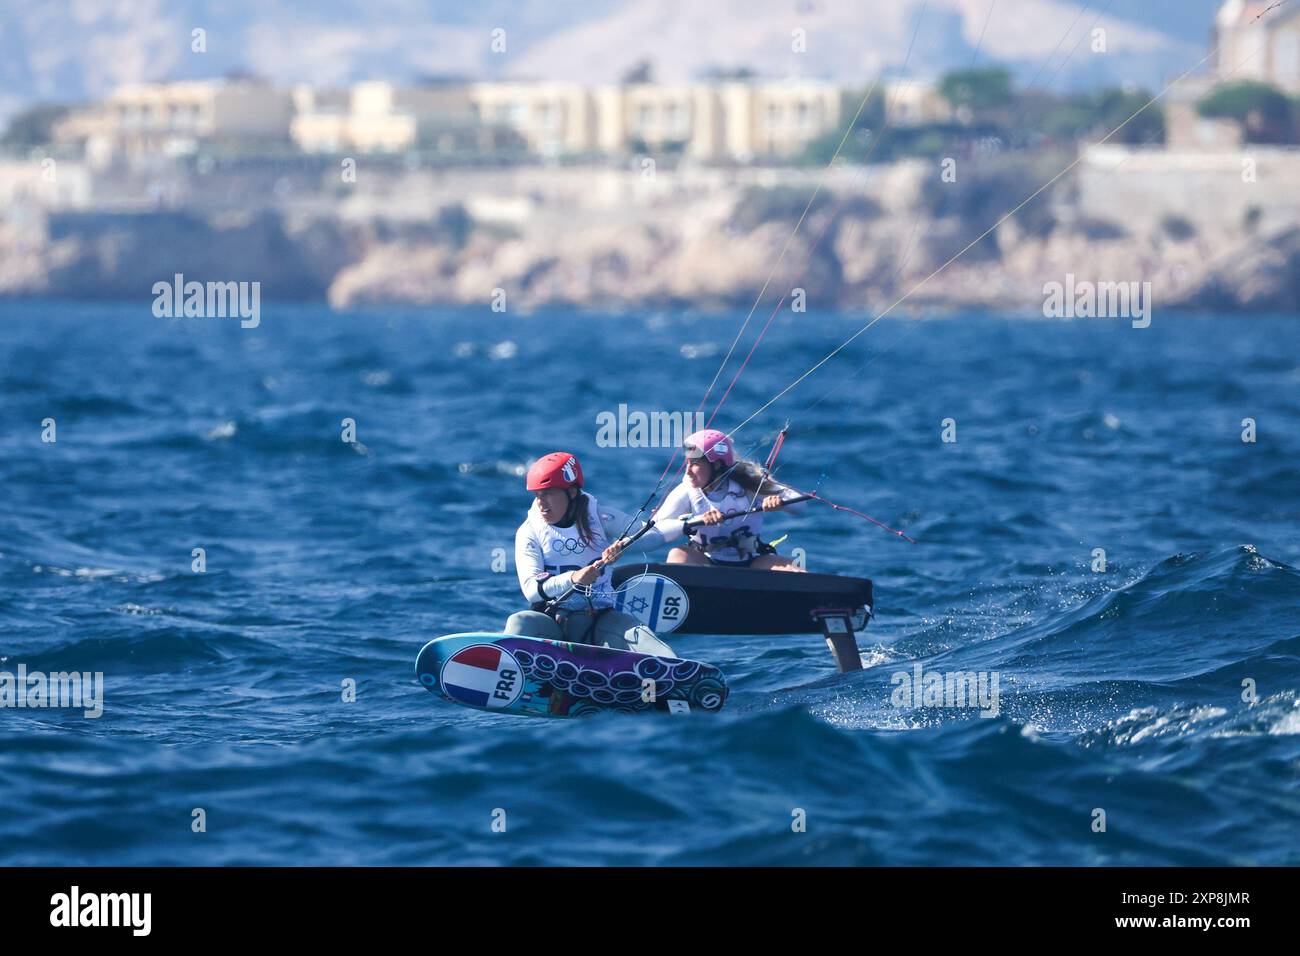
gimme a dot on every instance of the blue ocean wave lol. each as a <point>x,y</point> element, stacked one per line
<point>273,691</point>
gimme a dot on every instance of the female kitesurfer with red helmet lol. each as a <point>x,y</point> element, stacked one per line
<point>716,484</point>
<point>563,553</point>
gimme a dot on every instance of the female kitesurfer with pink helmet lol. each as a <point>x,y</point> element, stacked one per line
<point>563,553</point>
<point>716,485</point>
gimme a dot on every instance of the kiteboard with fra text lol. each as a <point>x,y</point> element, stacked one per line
<point>512,674</point>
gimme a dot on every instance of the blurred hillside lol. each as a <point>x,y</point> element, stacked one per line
<point>70,50</point>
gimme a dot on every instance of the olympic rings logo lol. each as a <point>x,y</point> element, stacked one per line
<point>570,545</point>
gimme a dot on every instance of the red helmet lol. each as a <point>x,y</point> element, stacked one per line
<point>559,469</point>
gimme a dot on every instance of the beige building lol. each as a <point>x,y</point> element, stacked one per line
<point>1255,42</point>
<point>552,118</point>
<point>709,122</point>
<point>377,117</point>
<point>730,121</point>
<point>647,116</point>
<point>321,120</point>
<point>725,121</point>
<point>1187,129</point>
<point>785,117</point>
<point>174,118</point>
<point>913,102</point>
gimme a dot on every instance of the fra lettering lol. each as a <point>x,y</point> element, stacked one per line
<point>505,685</point>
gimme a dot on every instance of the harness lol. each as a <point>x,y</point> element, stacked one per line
<point>742,539</point>
<point>746,543</point>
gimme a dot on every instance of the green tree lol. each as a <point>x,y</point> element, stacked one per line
<point>1057,118</point>
<point>1080,116</point>
<point>642,71</point>
<point>980,91</point>
<point>1115,106</point>
<point>1262,111</point>
<point>868,124</point>
<point>34,126</point>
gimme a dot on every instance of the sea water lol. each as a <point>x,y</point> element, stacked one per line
<point>1107,518</point>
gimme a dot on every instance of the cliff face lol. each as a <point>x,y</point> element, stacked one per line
<point>858,247</point>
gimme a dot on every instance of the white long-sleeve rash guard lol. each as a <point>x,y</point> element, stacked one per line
<point>546,556</point>
<point>732,498</point>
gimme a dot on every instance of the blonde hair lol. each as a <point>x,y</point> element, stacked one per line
<point>753,478</point>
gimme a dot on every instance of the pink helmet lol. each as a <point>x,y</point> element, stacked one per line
<point>711,445</point>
